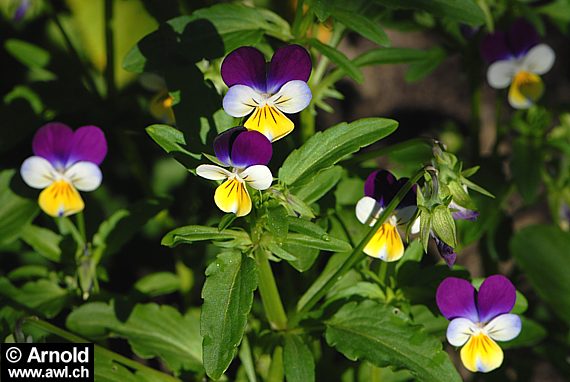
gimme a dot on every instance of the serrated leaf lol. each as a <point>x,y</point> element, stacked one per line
<point>277,222</point>
<point>228,295</point>
<point>339,59</point>
<point>43,295</point>
<point>152,331</point>
<point>298,360</point>
<point>170,139</point>
<point>192,233</point>
<point>374,333</point>
<point>443,225</point>
<point>324,149</point>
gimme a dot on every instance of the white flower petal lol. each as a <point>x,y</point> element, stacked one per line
<point>85,176</point>
<point>212,172</point>
<point>38,172</point>
<point>504,327</point>
<point>367,210</point>
<point>293,97</point>
<point>539,59</point>
<point>501,73</point>
<point>258,177</point>
<point>415,226</point>
<point>459,331</point>
<point>240,100</point>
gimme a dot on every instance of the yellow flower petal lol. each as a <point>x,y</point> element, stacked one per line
<point>270,122</point>
<point>386,244</point>
<point>525,90</point>
<point>60,199</point>
<point>161,107</point>
<point>481,353</point>
<point>232,196</point>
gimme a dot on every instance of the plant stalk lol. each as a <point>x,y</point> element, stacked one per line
<point>269,293</point>
<point>110,51</point>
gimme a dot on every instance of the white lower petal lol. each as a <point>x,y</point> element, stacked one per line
<point>367,210</point>
<point>293,97</point>
<point>504,327</point>
<point>258,177</point>
<point>459,331</point>
<point>240,100</point>
<point>501,73</point>
<point>38,172</point>
<point>85,176</point>
<point>212,172</point>
<point>539,59</point>
<point>415,226</point>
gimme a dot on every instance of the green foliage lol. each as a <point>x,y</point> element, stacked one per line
<point>378,334</point>
<point>16,212</point>
<point>228,296</point>
<point>466,11</point>
<point>298,360</point>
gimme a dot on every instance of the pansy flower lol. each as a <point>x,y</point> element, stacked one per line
<point>517,60</point>
<point>160,106</point>
<point>247,153</point>
<point>267,91</point>
<point>478,319</point>
<point>64,162</point>
<point>379,190</point>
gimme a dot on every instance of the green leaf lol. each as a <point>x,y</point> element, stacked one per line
<point>383,56</point>
<point>331,244</point>
<point>28,54</point>
<point>361,24</point>
<point>228,295</point>
<point>542,253</point>
<point>319,185</point>
<point>466,11</point>
<point>152,331</point>
<point>159,283</point>
<point>170,139</point>
<point>421,69</point>
<point>43,241</point>
<point>324,149</point>
<point>443,224</point>
<point>298,360</point>
<point>109,370</point>
<point>44,296</point>
<point>377,334</point>
<point>15,212</point>
<point>339,59</point>
<point>277,222</point>
<point>192,233</point>
<point>304,256</point>
<point>526,166</point>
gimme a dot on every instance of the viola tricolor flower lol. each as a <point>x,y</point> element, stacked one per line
<point>21,10</point>
<point>161,103</point>
<point>379,190</point>
<point>266,91</point>
<point>517,59</point>
<point>478,319</point>
<point>64,161</point>
<point>247,152</point>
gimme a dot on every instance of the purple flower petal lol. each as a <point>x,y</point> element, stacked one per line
<point>382,186</point>
<point>53,142</point>
<point>239,147</point>
<point>223,144</point>
<point>21,10</point>
<point>291,62</point>
<point>245,66</point>
<point>456,298</point>
<point>88,144</point>
<point>251,148</point>
<point>521,37</point>
<point>446,252</point>
<point>494,47</point>
<point>496,296</point>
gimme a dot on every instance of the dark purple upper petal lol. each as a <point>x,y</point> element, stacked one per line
<point>241,148</point>
<point>290,62</point>
<point>88,144</point>
<point>21,10</point>
<point>521,37</point>
<point>245,66</point>
<point>251,148</point>
<point>465,214</point>
<point>53,142</point>
<point>494,47</point>
<point>456,298</point>
<point>383,187</point>
<point>497,295</point>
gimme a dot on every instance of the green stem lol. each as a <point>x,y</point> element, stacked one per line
<point>276,371</point>
<point>52,329</point>
<point>296,28</point>
<point>110,50</point>
<point>67,223</point>
<point>357,253</point>
<point>382,272</point>
<point>81,226</point>
<point>269,292</point>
